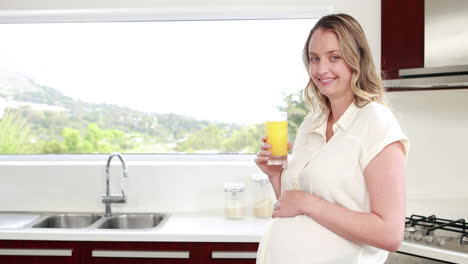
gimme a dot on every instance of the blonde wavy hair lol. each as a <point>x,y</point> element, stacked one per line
<point>366,83</point>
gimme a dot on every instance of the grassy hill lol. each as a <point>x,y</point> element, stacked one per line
<point>165,129</point>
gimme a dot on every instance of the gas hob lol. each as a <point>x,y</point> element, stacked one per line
<point>436,232</point>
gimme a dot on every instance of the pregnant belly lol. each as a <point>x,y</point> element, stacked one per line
<point>302,240</point>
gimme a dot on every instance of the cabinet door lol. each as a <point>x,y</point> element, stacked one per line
<point>20,259</point>
<point>142,253</point>
<point>229,253</point>
<point>36,252</point>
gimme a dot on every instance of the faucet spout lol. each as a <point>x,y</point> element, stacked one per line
<point>109,198</point>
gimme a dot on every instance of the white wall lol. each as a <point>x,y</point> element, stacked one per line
<point>150,187</point>
<point>436,123</point>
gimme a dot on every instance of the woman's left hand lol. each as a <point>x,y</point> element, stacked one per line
<point>290,204</point>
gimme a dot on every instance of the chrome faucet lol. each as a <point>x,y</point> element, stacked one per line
<point>108,198</point>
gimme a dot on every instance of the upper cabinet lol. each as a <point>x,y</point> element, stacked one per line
<point>424,44</point>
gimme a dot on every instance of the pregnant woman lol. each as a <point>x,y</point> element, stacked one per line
<point>341,197</point>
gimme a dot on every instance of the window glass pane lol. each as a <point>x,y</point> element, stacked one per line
<point>147,87</point>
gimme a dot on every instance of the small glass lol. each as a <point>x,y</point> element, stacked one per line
<point>263,206</point>
<point>277,136</point>
<point>234,204</point>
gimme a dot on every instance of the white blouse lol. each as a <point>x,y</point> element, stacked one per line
<point>334,171</point>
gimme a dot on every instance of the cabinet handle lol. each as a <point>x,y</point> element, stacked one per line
<point>233,255</point>
<point>36,252</point>
<point>140,254</point>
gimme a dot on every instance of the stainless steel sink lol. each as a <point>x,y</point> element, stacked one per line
<point>90,221</point>
<point>67,221</point>
<point>132,221</point>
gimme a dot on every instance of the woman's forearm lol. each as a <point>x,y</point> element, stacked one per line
<point>360,227</point>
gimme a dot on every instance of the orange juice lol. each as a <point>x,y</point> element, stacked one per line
<point>277,137</point>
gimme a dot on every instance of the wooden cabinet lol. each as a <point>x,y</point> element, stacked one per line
<point>402,33</point>
<point>22,259</point>
<point>88,252</point>
<point>38,252</point>
<point>228,253</point>
<point>142,253</point>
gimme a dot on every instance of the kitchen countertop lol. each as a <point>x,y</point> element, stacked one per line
<point>432,252</point>
<point>13,220</point>
<point>183,228</point>
<point>176,228</point>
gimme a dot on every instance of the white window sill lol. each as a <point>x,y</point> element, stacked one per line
<point>132,159</point>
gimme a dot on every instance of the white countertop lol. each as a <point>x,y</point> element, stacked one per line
<point>188,228</point>
<point>13,220</point>
<point>177,228</point>
<point>435,253</point>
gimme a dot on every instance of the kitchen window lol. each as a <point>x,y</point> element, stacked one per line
<point>199,86</point>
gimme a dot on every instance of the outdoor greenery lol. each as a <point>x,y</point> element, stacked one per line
<point>14,135</point>
<point>297,109</point>
<point>83,127</point>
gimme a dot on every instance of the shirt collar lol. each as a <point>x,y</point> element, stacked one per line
<point>348,116</point>
<point>344,122</point>
<point>316,123</point>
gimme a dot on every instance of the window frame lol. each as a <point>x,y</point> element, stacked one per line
<point>198,13</point>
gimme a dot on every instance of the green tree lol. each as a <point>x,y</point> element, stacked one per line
<point>95,140</point>
<point>119,139</point>
<point>73,142</point>
<point>15,135</point>
<point>297,109</point>
<point>99,140</point>
<point>208,139</point>
<point>51,147</point>
<point>244,140</point>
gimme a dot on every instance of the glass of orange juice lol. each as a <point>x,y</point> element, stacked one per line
<point>277,136</point>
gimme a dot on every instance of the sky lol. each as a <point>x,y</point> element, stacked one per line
<point>226,71</point>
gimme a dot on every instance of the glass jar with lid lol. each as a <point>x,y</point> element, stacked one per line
<point>234,203</point>
<point>263,200</point>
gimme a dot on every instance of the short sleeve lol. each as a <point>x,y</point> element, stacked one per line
<point>383,130</point>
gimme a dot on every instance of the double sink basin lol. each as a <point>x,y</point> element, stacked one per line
<point>98,221</point>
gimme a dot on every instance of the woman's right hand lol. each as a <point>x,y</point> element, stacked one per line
<point>262,157</point>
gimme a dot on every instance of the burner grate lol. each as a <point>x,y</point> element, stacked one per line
<point>433,223</point>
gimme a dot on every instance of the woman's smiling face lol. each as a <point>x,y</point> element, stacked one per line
<point>327,68</point>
